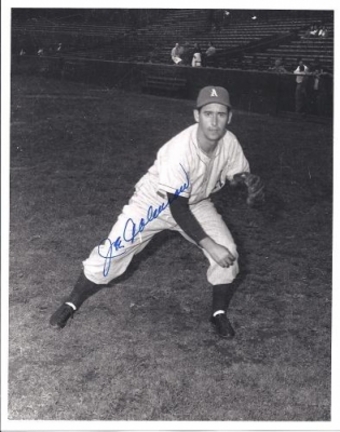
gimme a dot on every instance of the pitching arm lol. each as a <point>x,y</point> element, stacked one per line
<point>179,207</point>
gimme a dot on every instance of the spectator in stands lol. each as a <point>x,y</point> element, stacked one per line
<point>186,53</point>
<point>323,32</point>
<point>210,55</point>
<point>301,73</point>
<point>175,54</point>
<point>314,30</point>
<point>197,56</point>
<point>211,50</point>
<point>278,67</point>
<point>318,88</point>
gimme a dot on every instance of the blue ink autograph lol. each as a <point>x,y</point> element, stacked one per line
<point>131,226</point>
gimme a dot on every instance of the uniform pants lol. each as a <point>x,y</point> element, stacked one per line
<point>112,257</point>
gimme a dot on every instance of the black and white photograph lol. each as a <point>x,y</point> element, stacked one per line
<point>168,226</point>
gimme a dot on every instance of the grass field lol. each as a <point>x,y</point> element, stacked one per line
<point>143,349</point>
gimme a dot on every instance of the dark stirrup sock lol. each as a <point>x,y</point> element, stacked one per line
<point>222,295</point>
<point>82,290</point>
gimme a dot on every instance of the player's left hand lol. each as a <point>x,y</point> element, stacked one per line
<point>218,253</point>
<point>255,186</point>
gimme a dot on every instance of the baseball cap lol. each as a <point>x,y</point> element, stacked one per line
<point>213,94</point>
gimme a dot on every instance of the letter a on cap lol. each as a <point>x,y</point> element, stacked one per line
<point>213,93</point>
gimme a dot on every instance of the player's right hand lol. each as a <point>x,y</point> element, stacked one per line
<point>218,253</point>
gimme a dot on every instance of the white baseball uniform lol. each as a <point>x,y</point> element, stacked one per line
<point>196,60</point>
<point>181,168</point>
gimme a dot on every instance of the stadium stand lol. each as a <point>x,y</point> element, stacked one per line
<point>122,43</point>
<point>307,48</point>
<point>244,43</point>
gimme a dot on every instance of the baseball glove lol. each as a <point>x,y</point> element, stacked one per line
<point>255,187</point>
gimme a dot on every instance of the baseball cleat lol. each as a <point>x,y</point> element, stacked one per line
<point>61,316</point>
<point>223,327</point>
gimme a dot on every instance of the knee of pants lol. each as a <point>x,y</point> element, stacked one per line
<point>217,275</point>
<point>100,270</point>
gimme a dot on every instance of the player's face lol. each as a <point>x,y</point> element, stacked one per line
<point>212,121</point>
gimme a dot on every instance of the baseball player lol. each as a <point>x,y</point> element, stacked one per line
<point>301,72</point>
<point>175,194</point>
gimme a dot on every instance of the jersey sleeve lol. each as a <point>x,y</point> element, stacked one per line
<point>174,172</point>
